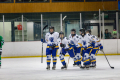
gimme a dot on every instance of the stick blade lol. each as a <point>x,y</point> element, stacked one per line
<point>112,67</point>
<point>45,27</point>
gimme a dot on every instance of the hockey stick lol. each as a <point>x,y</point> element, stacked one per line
<point>61,42</point>
<point>42,43</point>
<point>107,60</point>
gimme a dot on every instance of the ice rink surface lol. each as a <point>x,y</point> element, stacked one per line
<point>33,69</point>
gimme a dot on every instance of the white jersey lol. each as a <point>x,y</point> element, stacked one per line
<point>96,40</point>
<point>51,38</point>
<point>63,41</point>
<point>83,41</point>
<point>88,38</point>
<point>75,40</point>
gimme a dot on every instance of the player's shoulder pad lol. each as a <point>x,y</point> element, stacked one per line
<point>58,39</point>
<point>89,34</point>
<point>77,36</point>
<point>66,38</point>
<point>93,36</point>
<point>70,36</point>
<point>56,32</point>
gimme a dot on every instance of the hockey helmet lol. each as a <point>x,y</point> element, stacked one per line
<point>89,30</point>
<point>61,34</point>
<point>51,27</point>
<point>82,32</point>
<point>73,30</point>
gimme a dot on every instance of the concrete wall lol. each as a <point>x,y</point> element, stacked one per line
<point>111,46</point>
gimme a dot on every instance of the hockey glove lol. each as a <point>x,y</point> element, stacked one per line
<point>41,40</point>
<point>53,46</point>
<point>101,48</point>
<point>93,43</point>
<point>62,45</point>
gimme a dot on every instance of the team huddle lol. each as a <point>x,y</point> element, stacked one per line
<point>81,48</point>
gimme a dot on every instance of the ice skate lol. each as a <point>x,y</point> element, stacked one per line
<point>48,67</point>
<point>64,67</point>
<point>74,64</point>
<point>54,66</point>
<point>87,67</point>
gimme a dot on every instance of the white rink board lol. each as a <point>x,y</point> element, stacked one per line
<point>34,48</point>
<point>110,46</point>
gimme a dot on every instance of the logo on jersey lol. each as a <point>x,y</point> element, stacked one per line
<point>51,39</point>
<point>72,42</point>
<point>84,42</point>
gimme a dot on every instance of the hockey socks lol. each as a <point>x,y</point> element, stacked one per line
<point>48,59</point>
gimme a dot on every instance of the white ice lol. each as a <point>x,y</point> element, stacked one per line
<point>33,69</point>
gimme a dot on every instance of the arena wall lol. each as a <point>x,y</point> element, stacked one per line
<point>57,7</point>
<point>33,49</point>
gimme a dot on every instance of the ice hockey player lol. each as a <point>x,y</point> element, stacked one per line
<point>75,43</point>
<point>83,41</point>
<point>88,42</point>
<point>96,46</point>
<point>1,44</point>
<point>64,42</point>
<point>52,47</point>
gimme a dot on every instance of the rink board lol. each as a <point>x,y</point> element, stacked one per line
<point>34,48</point>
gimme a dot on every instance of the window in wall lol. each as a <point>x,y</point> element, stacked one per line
<point>109,25</point>
<point>118,32</point>
<point>72,24</point>
<point>98,0</point>
<point>31,1</point>
<point>68,0</point>
<point>6,1</point>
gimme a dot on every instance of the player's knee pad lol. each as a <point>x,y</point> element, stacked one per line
<point>92,56</point>
<point>54,57</point>
<point>48,56</point>
<point>93,59</point>
<point>86,59</point>
<point>74,59</point>
<point>86,56</point>
<point>61,56</point>
<point>78,55</point>
<point>54,60</point>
